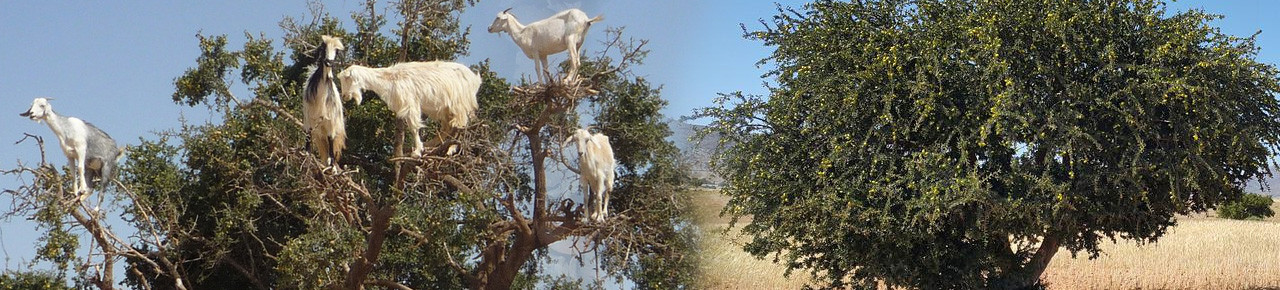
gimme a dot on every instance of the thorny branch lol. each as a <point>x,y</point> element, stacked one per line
<point>294,32</point>
<point>279,110</point>
<point>47,190</point>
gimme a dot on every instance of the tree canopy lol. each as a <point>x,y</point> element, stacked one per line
<point>959,144</point>
<point>243,204</point>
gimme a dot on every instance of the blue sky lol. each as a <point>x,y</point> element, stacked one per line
<point>113,63</point>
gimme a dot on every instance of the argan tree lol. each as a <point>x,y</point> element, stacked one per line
<point>961,144</point>
<point>241,203</point>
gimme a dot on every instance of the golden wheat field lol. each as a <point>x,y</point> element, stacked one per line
<point>1202,252</point>
<point>724,264</point>
<point>1199,253</point>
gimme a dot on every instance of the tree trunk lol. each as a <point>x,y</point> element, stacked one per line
<point>1028,275</point>
<point>504,275</point>
<point>381,216</point>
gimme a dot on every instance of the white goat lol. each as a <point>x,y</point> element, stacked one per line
<point>321,105</point>
<point>564,31</point>
<point>91,152</point>
<point>596,167</point>
<point>444,91</point>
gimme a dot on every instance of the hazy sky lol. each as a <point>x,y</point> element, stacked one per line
<point>113,64</point>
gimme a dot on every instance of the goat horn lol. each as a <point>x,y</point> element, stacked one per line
<point>506,11</point>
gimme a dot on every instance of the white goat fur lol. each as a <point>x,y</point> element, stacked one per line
<point>539,39</point>
<point>596,167</point>
<point>321,106</point>
<point>89,150</point>
<point>444,91</point>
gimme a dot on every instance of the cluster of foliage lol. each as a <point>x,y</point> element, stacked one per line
<point>32,280</point>
<point>959,144</point>
<point>243,204</point>
<point>1249,206</point>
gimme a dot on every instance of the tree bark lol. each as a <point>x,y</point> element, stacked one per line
<point>504,274</point>
<point>106,279</point>
<point>1028,275</point>
<point>381,216</point>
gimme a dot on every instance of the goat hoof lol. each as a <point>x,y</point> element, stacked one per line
<point>453,150</point>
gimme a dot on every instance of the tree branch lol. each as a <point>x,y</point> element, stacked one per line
<point>388,284</point>
<point>278,110</point>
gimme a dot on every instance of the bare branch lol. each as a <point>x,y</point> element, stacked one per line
<point>467,277</point>
<point>278,110</point>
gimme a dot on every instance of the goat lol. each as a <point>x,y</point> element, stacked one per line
<point>91,152</point>
<point>564,31</point>
<point>596,167</point>
<point>444,91</point>
<point>321,107</point>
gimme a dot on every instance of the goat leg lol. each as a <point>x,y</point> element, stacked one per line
<point>599,195</point>
<point>308,146</point>
<point>81,187</point>
<point>604,204</point>
<point>417,143</point>
<point>445,133</point>
<point>546,70</point>
<point>333,155</point>
<point>574,54</point>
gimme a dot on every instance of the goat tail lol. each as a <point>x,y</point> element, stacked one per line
<point>120,154</point>
<point>586,26</point>
<point>109,167</point>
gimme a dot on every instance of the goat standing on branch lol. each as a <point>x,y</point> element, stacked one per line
<point>91,152</point>
<point>564,31</point>
<point>321,106</point>
<point>444,91</point>
<point>596,166</point>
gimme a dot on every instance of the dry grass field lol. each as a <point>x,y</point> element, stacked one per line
<point>1199,253</point>
<point>724,263</point>
<point>1202,252</point>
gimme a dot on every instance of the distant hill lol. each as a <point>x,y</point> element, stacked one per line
<point>696,154</point>
<point>1272,187</point>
